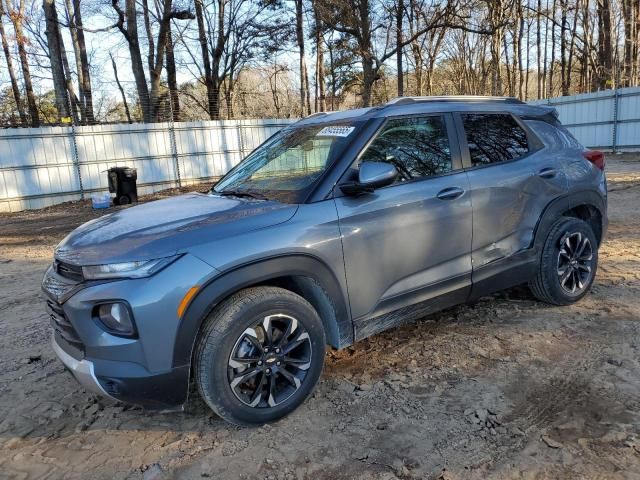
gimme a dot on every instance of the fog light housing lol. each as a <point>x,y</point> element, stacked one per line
<point>116,318</point>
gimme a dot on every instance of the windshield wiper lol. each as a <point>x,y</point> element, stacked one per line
<point>241,193</point>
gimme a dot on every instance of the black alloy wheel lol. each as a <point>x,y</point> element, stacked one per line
<point>269,361</point>
<point>575,259</point>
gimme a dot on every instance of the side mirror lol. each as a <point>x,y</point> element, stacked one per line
<point>371,175</point>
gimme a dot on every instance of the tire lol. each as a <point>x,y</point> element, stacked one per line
<point>234,339</point>
<point>566,273</point>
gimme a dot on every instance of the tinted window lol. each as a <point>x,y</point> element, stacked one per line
<point>494,138</point>
<point>417,146</point>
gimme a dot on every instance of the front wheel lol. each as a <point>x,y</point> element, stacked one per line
<point>259,355</point>
<point>568,263</point>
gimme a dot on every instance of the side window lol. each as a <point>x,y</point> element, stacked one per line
<point>494,138</point>
<point>417,146</point>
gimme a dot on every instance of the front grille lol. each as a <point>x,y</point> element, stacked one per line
<point>69,271</point>
<point>65,334</point>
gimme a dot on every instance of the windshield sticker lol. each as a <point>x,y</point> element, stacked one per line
<point>335,131</point>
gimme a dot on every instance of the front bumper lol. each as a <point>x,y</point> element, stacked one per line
<point>82,370</point>
<point>140,369</point>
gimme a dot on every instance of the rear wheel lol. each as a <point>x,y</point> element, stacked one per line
<point>259,355</point>
<point>568,263</point>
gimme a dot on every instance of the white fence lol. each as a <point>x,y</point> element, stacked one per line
<point>44,166</point>
<point>607,120</point>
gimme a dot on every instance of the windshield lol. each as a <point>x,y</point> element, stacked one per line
<point>289,164</point>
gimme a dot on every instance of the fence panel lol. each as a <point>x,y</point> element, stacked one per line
<point>43,166</point>
<point>607,120</point>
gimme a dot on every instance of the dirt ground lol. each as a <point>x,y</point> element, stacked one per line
<point>505,388</point>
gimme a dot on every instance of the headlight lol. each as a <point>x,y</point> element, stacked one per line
<point>139,269</point>
<point>116,318</point>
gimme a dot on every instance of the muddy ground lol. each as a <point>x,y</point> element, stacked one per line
<point>505,388</point>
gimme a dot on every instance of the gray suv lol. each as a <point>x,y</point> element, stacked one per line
<point>338,227</point>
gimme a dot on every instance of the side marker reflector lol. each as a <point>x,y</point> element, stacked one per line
<point>187,299</point>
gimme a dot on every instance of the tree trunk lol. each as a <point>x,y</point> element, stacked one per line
<point>55,57</point>
<point>572,45</point>
<point>172,81</point>
<point>147,28</point>
<point>520,15</point>
<point>510,79</point>
<point>539,49</point>
<point>73,101</point>
<point>156,72</point>
<point>563,49</point>
<point>399,14</point>
<point>321,104</point>
<point>137,66</point>
<point>130,33</point>
<point>12,74</point>
<point>553,47</point>
<point>366,54</point>
<point>17,17</point>
<point>217,77</point>
<point>204,49</point>
<point>528,66</point>
<point>630,12</point>
<point>545,92</point>
<point>603,78</point>
<point>124,97</point>
<point>305,103</point>
<point>82,62</point>
<point>496,48</point>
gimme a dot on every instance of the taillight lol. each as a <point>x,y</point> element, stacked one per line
<point>596,157</point>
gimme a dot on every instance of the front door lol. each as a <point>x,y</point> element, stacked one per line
<point>411,241</point>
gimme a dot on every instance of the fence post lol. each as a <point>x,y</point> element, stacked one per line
<point>76,158</point>
<point>614,142</point>
<point>240,139</point>
<point>173,143</point>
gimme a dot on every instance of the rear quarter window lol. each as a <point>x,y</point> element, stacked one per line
<point>494,138</point>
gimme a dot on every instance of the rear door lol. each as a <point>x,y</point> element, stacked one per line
<point>512,179</point>
<point>410,241</point>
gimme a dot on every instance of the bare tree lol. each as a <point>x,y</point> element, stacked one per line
<point>76,30</point>
<point>17,97</point>
<point>604,71</point>
<point>305,104</point>
<point>399,53</point>
<point>148,96</point>
<point>55,57</point>
<point>320,100</point>
<point>17,15</point>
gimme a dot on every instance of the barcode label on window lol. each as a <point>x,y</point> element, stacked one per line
<point>335,131</point>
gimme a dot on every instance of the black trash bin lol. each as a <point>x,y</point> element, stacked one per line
<point>122,182</point>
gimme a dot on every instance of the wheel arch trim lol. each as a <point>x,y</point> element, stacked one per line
<point>259,272</point>
<point>565,203</point>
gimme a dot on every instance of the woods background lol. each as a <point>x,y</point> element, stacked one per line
<point>107,61</point>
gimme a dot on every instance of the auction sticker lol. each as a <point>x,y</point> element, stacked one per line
<point>335,131</point>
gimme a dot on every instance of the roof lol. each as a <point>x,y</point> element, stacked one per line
<point>417,105</point>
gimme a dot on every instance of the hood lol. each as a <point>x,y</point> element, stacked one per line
<point>167,227</point>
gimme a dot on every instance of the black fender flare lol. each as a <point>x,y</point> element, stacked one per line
<point>256,272</point>
<point>563,204</point>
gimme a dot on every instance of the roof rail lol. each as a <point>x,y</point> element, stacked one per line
<point>319,114</point>
<point>452,98</point>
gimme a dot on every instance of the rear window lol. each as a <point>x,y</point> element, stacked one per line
<point>494,138</point>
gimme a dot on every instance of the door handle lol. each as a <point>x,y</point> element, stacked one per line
<point>450,193</point>
<point>547,173</point>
